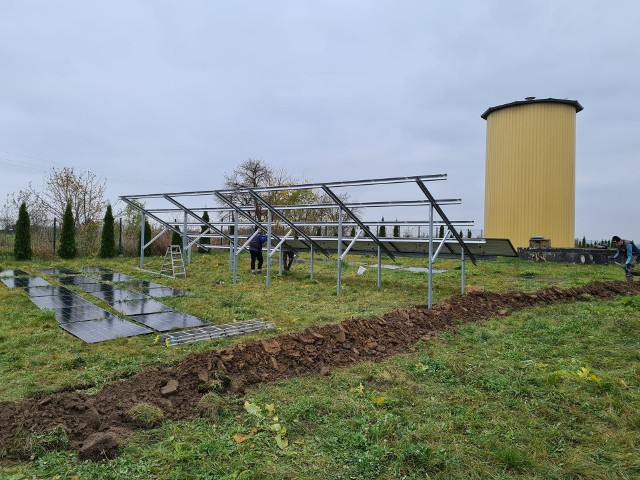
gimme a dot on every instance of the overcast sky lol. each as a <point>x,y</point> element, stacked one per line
<point>160,96</point>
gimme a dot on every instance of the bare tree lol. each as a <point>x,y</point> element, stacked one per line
<point>251,173</point>
<point>84,191</point>
<point>39,213</point>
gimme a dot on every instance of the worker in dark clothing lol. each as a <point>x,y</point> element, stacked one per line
<point>255,249</point>
<point>288,256</point>
<point>287,259</point>
<point>631,254</point>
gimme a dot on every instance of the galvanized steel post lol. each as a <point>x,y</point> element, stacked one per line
<point>184,239</point>
<point>269,219</point>
<point>429,303</point>
<point>379,266</point>
<point>235,250</point>
<point>462,271</point>
<point>311,261</point>
<point>339,250</point>
<point>141,239</point>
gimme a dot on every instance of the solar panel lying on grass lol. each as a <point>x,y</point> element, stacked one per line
<point>59,271</point>
<point>214,331</point>
<point>118,295</point>
<point>13,273</point>
<point>161,292</point>
<point>155,289</point>
<point>166,321</point>
<point>95,270</point>
<point>92,331</point>
<point>25,282</point>
<point>95,287</point>
<point>76,280</point>
<point>143,284</point>
<point>60,301</point>
<point>140,307</point>
<point>111,277</point>
<point>47,291</point>
<point>80,314</point>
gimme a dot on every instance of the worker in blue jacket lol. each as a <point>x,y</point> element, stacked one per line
<point>631,253</point>
<point>255,249</point>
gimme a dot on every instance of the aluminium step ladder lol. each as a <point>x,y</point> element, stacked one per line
<point>173,263</point>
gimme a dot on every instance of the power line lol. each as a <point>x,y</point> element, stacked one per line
<point>115,178</point>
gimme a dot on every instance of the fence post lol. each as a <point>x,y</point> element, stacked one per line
<point>120,252</point>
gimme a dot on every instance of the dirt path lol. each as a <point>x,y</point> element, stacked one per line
<point>95,424</point>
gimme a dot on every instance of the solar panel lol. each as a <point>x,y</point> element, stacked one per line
<point>492,247</point>
<point>62,301</point>
<point>93,331</point>
<point>13,273</point>
<point>161,292</point>
<point>118,295</point>
<point>140,307</point>
<point>111,277</point>
<point>59,271</point>
<point>76,280</point>
<point>95,270</point>
<point>169,320</point>
<point>79,314</point>
<point>95,287</point>
<point>25,282</point>
<point>47,291</point>
<point>142,284</point>
<point>411,247</point>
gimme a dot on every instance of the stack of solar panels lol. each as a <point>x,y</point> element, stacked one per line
<point>214,331</point>
<point>74,314</point>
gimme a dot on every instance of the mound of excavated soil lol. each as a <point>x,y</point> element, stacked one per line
<point>94,424</point>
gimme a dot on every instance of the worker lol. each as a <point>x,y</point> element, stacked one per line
<point>630,252</point>
<point>288,256</point>
<point>287,259</point>
<point>255,249</point>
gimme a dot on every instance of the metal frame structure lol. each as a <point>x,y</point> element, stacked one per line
<point>348,215</point>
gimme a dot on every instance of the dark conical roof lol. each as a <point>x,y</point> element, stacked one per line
<point>529,100</point>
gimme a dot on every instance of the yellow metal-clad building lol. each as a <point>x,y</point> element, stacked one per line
<point>530,171</point>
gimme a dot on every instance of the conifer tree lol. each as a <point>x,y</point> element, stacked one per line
<point>204,240</point>
<point>353,232</point>
<point>22,243</point>
<point>176,238</point>
<point>147,237</point>
<point>68,248</point>
<point>441,232</point>
<point>396,231</point>
<point>382,231</point>
<point>468,233</point>
<point>108,241</point>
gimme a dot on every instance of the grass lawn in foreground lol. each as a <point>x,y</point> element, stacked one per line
<point>550,392</point>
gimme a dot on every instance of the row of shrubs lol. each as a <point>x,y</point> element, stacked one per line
<point>85,240</point>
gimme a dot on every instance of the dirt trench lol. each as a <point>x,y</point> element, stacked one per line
<point>95,424</point>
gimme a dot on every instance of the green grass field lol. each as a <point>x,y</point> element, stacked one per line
<point>551,392</point>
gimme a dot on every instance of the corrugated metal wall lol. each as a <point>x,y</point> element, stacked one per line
<point>530,174</point>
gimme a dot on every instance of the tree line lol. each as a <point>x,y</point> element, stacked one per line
<point>79,198</point>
